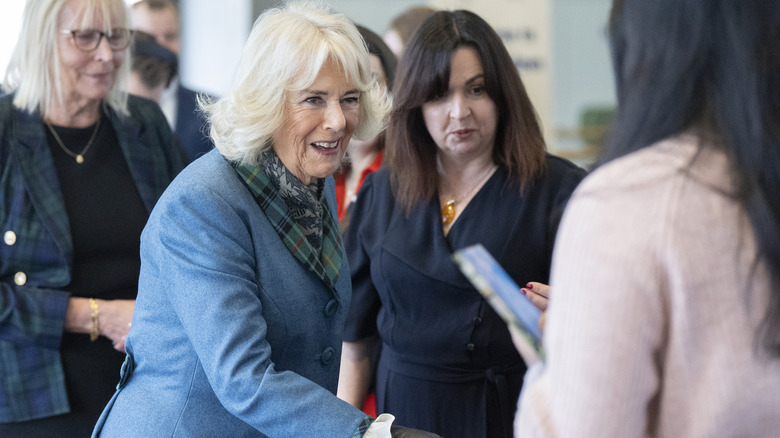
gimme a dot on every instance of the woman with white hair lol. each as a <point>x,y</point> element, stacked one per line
<point>81,166</point>
<point>244,284</point>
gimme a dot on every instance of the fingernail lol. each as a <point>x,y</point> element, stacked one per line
<point>523,291</point>
<point>529,286</point>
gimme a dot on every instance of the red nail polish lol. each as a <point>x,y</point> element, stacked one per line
<point>529,286</point>
<point>523,291</point>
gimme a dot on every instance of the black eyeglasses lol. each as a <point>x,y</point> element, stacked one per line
<point>89,39</point>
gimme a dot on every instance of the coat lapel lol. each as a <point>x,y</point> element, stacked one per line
<point>41,180</point>
<point>138,155</point>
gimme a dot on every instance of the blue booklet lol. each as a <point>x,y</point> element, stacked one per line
<point>504,295</point>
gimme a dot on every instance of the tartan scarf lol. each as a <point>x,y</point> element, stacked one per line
<point>298,213</point>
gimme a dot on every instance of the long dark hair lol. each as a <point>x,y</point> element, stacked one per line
<point>713,65</point>
<point>424,73</point>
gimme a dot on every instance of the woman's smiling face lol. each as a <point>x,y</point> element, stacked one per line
<point>319,122</point>
<point>86,75</point>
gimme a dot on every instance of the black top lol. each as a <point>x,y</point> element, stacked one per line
<point>105,212</point>
<point>434,325</point>
<point>106,216</point>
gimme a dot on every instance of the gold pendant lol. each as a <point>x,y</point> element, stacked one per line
<point>79,158</point>
<point>448,212</point>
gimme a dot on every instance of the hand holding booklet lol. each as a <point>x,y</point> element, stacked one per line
<point>504,295</point>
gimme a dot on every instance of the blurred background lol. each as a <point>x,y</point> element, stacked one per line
<point>559,46</point>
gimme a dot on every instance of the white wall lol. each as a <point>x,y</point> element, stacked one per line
<point>10,24</point>
<point>213,33</point>
<point>582,76</point>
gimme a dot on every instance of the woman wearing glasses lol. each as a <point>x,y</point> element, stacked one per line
<point>81,165</point>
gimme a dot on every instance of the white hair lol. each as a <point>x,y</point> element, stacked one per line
<point>34,72</point>
<point>284,53</point>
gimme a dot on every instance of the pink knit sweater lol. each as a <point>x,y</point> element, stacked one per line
<point>657,294</point>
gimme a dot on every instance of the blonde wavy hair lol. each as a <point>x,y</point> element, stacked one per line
<point>284,53</point>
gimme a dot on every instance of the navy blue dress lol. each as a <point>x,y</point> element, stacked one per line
<point>448,364</point>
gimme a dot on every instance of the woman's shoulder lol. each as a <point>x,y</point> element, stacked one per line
<point>144,109</point>
<point>667,162</point>
<point>376,185</point>
<point>559,166</point>
<point>209,174</point>
<point>677,179</point>
<point>6,108</point>
<point>559,179</point>
<point>378,179</point>
<point>6,104</point>
<point>375,201</point>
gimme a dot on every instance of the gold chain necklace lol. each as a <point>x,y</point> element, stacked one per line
<point>448,211</point>
<point>80,156</point>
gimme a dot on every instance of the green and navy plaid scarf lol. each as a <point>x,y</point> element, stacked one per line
<point>299,214</point>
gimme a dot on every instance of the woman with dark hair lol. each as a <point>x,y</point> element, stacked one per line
<point>465,164</point>
<point>665,316</point>
<point>364,156</point>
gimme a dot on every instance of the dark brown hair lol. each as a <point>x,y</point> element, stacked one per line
<point>424,73</point>
<point>715,65</point>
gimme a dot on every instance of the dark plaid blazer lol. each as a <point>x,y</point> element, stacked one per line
<point>37,243</point>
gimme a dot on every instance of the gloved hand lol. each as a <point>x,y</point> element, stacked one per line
<point>406,432</point>
<point>383,428</point>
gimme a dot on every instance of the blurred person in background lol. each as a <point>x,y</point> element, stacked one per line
<point>364,157</point>
<point>402,27</point>
<point>81,166</point>
<point>153,67</point>
<point>179,103</point>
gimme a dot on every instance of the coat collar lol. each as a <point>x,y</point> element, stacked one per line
<point>325,261</point>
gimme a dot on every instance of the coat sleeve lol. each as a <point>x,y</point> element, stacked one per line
<point>364,308</point>
<point>33,274</point>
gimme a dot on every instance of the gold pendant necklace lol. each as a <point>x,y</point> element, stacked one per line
<point>80,156</point>
<point>448,211</point>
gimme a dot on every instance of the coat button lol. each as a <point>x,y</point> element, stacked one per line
<point>470,346</point>
<point>331,307</point>
<point>327,355</point>
<point>125,372</point>
<point>20,278</point>
<point>9,238</point>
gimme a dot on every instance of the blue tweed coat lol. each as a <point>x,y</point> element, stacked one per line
<point>232,335</point>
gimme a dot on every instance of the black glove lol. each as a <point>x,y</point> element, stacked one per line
<point>405,432</point>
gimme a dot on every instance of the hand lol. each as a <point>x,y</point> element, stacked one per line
<point>539,295</point>
<point>405,432</point>
<point>115,317</point>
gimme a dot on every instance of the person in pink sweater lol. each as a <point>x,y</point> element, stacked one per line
<point>664,312</point>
